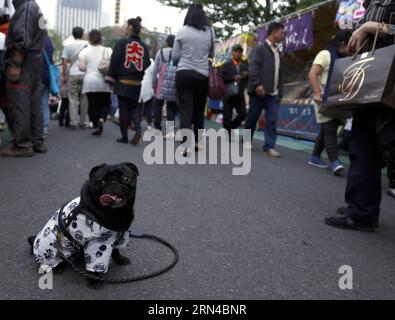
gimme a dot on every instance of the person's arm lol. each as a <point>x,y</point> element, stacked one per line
<point>177,49</point>
<point>115,63</point>
<point>314,78</point>
<point>155,71</point>
<point>82,61</point>
<point>212,40</point>
<point>366,29</point>
<point>255,70</point>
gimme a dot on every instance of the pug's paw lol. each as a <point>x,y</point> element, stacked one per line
<point>59,269</point>
<point>119,259</point>
<point>95,284</point>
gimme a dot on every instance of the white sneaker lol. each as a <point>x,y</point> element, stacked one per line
<point>273,153</point>
<point>247,145</point>
<point>149,128</point>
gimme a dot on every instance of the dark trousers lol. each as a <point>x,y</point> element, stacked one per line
<point>270,104</point>
<point>327,139</point>
<point>99,104</point>
<point>129,110</point>
<point>391,171</point>
<point>64,116</point>
<point>192,89</point>
<point>3,101</point>
<point>24,103</point>
<point>171,108</point>
<point>149,111</point>
<point>239,104</point>
<point>363,191</point>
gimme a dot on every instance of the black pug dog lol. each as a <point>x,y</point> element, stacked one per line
<point>95,225</point>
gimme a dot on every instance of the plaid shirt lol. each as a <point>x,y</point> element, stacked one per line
<point>380,11</point>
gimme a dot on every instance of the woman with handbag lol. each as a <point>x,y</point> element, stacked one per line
<point>128,63</point>
<point>235,74</point>
<point>193,46</point>
<point>91,60</point>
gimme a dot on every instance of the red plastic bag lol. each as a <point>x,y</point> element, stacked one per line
<point>216,86</point>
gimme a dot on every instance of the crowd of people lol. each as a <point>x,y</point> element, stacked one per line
<point>96,80</point>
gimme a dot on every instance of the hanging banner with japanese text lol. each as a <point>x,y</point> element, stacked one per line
<point>299,33</point>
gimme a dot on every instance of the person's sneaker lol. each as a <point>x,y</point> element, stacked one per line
<point>73,127</point>
<point>40,148</point>
<point>2,126</point>
<point>136,139</point>
<point>342,221</point>
<point>318,162</point>
<point>122,140</point>
<point>149,128</point>
<point>272,153</point>
<point>15,152</point>
<point>337,168</point>
<point>391,193</point>
<point>247,146</point>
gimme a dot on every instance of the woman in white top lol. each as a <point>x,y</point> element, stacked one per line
<point>95,87</point>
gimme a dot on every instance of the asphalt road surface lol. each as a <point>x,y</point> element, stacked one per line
<point>259,236</point>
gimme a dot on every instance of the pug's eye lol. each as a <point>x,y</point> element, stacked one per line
<point>126,179</point>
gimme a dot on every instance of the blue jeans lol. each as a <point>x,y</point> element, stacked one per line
<point>45,108</point>
<point>114,104</point>
<point>270,104</point>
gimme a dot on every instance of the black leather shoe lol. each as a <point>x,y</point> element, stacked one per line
<point>372,220</point>
<point>40,148</point>
<point>342,221</point>
<point>123,140</point>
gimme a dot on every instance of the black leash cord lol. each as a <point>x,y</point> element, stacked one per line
<point>136,278</point>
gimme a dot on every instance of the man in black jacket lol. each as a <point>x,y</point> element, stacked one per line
<point>265,87</point>
<point>235,73</point>
<point>24,56</point>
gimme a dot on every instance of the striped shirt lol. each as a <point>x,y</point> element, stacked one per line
<point>380,11</point>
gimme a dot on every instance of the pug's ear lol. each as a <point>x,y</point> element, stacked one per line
<point>95,170</point>
<point>132,167</point>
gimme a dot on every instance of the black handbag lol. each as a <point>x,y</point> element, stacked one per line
<point>360,81</point>
<point>232,90</point>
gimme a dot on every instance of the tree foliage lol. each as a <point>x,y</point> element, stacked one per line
<point>234,15</point>
<point>57,42</point>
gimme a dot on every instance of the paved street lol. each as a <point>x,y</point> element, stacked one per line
<point>260,236</point>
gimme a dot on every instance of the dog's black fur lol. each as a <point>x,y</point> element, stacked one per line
<point>118,181</point>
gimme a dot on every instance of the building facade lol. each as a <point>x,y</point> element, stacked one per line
<point>72,13</point>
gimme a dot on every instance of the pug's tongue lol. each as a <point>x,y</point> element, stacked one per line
<point>107,199</point>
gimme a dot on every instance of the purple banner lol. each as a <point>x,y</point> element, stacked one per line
<point>299,33</point>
